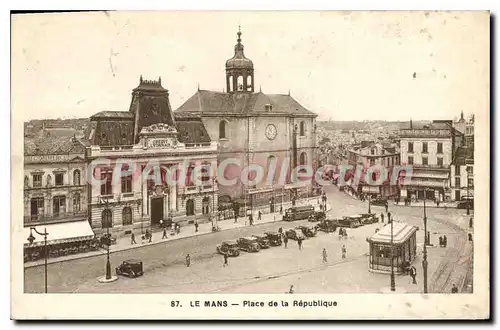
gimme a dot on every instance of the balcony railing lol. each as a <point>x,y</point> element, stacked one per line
<point>433,166</point>
<point>56,217</point>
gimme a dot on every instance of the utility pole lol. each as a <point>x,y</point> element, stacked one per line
<point>393,280</point>
<point>424,261</point>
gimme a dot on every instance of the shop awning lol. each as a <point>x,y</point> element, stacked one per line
<point>61,232</point>
<point>401,232</point>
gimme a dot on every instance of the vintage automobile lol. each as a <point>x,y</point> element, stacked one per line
<point>248,244</point>
<point>263,241</point>
<point>368,218</point>
<point>466,203</point>
<point>307,231</point>
<point>273,238</point>
<point>351,222</point>
<point>379,201</point>
<point>295,234</point>
<point>328,226</point>
<point>229,248</point>
<point>298,213</point>
<point>130,268</point>
<point>317,216</point>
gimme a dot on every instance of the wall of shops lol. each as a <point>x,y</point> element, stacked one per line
<point>432,147</point>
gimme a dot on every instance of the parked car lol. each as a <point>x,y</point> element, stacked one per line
<point>317,216</point>
<point>328,226</point>
<point>298,213</point>
<point>368,218</point>
<point>229,248</point>
<point>130,268</point>
<point>295,234</point>
<point>263,241</point>
<point>274,238</point>
<point>307,231</point>
<point>379,201</point>
<point>463,204</point>
<point>351,222</point>
<point>248,244</point>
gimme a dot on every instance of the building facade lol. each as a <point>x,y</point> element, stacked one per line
<point>55,187</point>
<point>462,174</point>
<point>429,150</point>
<point>256,128</point>
<point>375,154</point>
<point>149,133</point>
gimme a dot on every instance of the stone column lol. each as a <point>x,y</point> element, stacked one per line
<point>173,198</point>
<point>145,202</point>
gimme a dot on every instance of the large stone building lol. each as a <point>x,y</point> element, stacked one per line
<point>256,128</point>
<point>148,133</point>
<point>430,150</point>
<point>55,187</point>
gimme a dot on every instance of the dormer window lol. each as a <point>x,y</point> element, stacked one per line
<point>269,107</point>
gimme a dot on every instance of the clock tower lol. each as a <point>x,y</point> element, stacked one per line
<point>239,71</point>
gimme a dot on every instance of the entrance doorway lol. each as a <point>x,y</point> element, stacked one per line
<point>156,210</point>
<point>457,195</point>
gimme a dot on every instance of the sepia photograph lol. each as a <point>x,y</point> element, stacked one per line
<point>250,165</point>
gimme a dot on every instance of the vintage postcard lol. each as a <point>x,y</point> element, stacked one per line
<point>250,165</point>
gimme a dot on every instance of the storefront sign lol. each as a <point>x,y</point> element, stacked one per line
<point>162,143</point>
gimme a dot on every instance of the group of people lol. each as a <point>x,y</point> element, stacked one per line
<point>342,233</point>
<point>325,254</point>
<point>146,237</point>
<point>443,241</point>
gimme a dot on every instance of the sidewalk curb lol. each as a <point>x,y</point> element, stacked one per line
<point>131,247</point>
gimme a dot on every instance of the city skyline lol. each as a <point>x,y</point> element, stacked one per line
<point>420,70</point>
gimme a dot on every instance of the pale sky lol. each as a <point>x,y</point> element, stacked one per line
<point>343,65</point>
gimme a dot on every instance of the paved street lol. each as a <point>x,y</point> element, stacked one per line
<point>274,269</point>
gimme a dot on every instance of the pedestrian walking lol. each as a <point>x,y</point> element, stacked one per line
<point>382,217</point>
<point>260,215</point>
<point>440,241</point>
<point>341,233</point>
<point>291,289</point>
<point>196,226</point>
<point>150,237</point>
<point>344,233</point>
<point>132,239</point>
<point>470,222</point>
<point>299,242</point>
<point>386,207</point>
<point>188,260</point>
<point>344,252</point>
<point>225,261</point>
<point>285,240</point>
<point>325,256</point>
<point>445,241</point>
<point>389,217</point>
<point>281,209</point>
<point>454,289</point>
<point>413,274</point>
<point>161,223</point>
<point>235,218</point>
<point>164,233</point>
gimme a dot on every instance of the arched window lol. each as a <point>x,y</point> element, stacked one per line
<point>222,129</point>
<point>127,216</point>
<point>76,202</point>
<point>303,159</point>
<point>76,177</point>
<point>272,169</point>
<point>205,208</point>
<point>231,87</point>
<point>240,83</point>
<point>249,83</point>
<point>190,207</point>
<point>107,219</point>
<point>26,181</point>
<point>302,128</point>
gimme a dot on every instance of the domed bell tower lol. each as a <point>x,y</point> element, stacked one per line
<point>239,71</point>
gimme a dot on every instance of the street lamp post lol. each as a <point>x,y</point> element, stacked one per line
<point>31,238</point>
<point>369,204</point>
<point>424,261</point>
<point>393,280</point>
<point>108,264</point>
<point>214,181</point>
